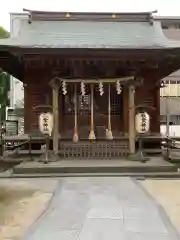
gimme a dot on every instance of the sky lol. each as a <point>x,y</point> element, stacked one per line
<point>165,8</point>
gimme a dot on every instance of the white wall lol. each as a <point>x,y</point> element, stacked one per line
<point>174,130</point>
<point>16,92</point>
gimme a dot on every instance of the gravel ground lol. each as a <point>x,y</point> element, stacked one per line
<point>166,193</point>
<point>22,201</point>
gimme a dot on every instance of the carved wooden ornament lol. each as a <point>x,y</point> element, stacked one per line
<point>46,123</point>
<point>83,89</point>
<point>101,88</point>
<point>118,87</point>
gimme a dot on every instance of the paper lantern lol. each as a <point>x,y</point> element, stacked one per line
<point>46,123</point>
<point>142,122</point>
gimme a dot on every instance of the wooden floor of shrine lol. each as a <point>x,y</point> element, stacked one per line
<point>154,165</point>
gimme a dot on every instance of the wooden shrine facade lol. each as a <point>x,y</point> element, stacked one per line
<point>92,71</point>
<point>112,111</point>
<point>38,95</point>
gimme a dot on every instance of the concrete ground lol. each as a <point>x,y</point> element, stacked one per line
<point>102,209</point>
<point>166,193</point>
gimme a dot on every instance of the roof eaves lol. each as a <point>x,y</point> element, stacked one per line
<point>88,13</point>
<point>19,13</point>
<point>167,18</point>
<point>35,15</point>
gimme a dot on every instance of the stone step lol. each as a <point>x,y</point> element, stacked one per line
<point>141,176</point>
<point>53,168</point>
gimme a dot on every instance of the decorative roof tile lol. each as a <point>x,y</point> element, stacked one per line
<point>91,34</point>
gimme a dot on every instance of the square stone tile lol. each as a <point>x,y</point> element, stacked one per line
<point>140,212</point>
<point>141,225</point>
<point>102,229</point>
<point>55,235</point>
<point>133,202</point>
<point>65,221</point>
<point>104,200</point>
<point>145,236</point>
<point>105,212</point>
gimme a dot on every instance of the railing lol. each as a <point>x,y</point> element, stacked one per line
<point>14,144</point>
<point>94,149</point>
<point>33,145</point>
<point>171,149</point>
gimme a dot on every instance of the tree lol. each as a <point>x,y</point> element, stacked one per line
<point>4,94</point>
<point>3,33</point>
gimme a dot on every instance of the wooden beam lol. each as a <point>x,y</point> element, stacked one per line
<point>134,54</point>
<point>104,80</point>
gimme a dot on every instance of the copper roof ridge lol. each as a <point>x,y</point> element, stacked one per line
<point>35,15</point>
<point>88,13</point>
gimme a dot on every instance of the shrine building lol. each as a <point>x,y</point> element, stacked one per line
<point>93,72</point>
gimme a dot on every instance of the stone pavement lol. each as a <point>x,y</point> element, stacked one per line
<point>103,208</point>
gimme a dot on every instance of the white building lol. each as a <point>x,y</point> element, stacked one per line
<point>16,87</point>
<point>170,94</point>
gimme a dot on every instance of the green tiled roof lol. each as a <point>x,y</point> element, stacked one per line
<point>91,34</point>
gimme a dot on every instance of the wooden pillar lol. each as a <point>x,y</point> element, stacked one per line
<point>125,112</point>
<point>27,109</point>
<point>131,119</point>
<point>157,111</point>
<point>55,84</point>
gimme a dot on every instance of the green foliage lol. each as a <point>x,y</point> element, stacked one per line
<point>4,94</point>
<point>3,33</point>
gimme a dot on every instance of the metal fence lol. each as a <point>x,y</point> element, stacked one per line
<point>11,127</point>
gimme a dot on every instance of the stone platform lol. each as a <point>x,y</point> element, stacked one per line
<point>154,165</point>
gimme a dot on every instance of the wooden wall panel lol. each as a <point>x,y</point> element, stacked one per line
<point>37,92</point>
<point>148,94</point>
